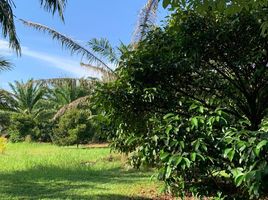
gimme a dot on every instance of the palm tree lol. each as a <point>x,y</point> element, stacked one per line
<point>99,53</point>
<point>26,98</point>
<point>7,18</point>
<point>65,93</point>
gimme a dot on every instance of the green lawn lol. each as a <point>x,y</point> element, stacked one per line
<point>44,171</point>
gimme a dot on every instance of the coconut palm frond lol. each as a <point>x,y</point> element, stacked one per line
<point>26,96</point>
<point>103,47</point>
<point>54,6</point>
<point>72,105</point>
<point>147,18</point>
<point>8,26</point>
<point>122,48</point>
<point>5,64</point>
<point>69,44</point>
<point>106,75</point>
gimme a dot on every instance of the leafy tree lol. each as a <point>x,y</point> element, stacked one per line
<point>190,99</point>
<point>66,91</point>
<point>227,7</point>
<point>23,125</point>
<point>74,127</point>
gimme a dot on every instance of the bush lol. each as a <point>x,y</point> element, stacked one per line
<point>74,127</point>
<point>4,122</point>
<point>23,125</point>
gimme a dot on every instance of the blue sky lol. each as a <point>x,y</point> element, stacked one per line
<point>44,58</point>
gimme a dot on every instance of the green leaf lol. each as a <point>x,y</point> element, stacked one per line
<point>168,129</point>
<point>202,157</point>
<point>239,179</point>
<point>166,3</point>
<point>164,155</point>
<point>194,122</point>
<point>259,147</point>
<point>177,160</point>
<point>229,153</point>
<point>261,144</point>
<point>168,172</point>
<point>201,109</point>
<point>187,162</point>
<point>168,115</point>
<point>193,156</point>
<point>196,144</point>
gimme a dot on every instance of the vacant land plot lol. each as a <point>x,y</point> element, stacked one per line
<point>44,171</point>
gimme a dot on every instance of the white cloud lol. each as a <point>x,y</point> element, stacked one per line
<point>4,48</point>
<point>62,63</point>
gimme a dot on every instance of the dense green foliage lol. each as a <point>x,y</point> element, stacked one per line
<point>55,110</point>
<point>74,127</point>
<point>190,100</point>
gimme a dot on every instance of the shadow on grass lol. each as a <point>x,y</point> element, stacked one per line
<point>52,182</point>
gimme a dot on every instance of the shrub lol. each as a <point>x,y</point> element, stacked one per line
<point>21,126</point>
<point>74,127</point>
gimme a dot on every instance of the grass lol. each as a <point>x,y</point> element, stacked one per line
<point>45,171</point>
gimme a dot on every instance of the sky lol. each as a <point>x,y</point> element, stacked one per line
<point>43,58</point>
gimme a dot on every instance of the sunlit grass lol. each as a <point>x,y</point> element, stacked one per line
<point>44,171</point>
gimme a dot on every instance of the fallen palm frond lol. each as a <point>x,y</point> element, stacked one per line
<point>106,75</point>
<point>72,105</point>
<point>61,81</point>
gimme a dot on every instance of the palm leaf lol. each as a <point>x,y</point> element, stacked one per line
<point>103,47</point>
<point>5,64</point>
<point>7,24</point>
<point>69,44</point>
<point>147,18</point>
<point>54,6</point>
<point>72,105</point>
<point>106,75</point>
<point>61,81</point>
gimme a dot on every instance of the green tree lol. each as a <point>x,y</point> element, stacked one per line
<point>227,7</point>
<point>191,99</point>
<point>26,110</point>
<point>65,94</point>
<point>27,97</point>
<point>74,127</point>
